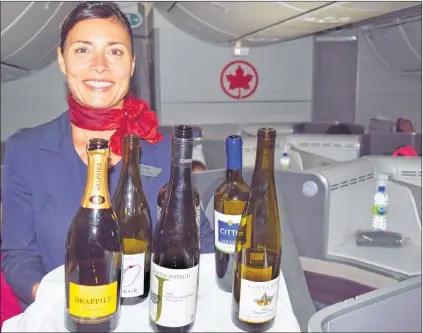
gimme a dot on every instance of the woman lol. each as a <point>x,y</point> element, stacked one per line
<point>45,167</point>
<point>404,125</point>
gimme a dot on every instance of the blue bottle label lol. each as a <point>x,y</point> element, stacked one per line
<point>226,229</point>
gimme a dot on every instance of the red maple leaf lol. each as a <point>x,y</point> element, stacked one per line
<point>239,80</point>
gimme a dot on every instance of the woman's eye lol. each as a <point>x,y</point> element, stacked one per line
<point>81,50</point>
<point>117,52</point>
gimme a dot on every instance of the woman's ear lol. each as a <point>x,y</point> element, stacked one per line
<point>133,66</point>
<point>61,60</point>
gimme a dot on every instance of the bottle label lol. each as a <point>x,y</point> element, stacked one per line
<point>92,303</point>
<point>197,219</point>
<point>133,275</point>
<point>380,210</point>
<point>96,193</point>
<point>226,229</point>
<point>258,301</point>
<point>173,295</point>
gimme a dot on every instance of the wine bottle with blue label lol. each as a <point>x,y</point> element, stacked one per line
<point>229,201</point>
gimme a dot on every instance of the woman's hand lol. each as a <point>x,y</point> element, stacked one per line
<point>34,290</point>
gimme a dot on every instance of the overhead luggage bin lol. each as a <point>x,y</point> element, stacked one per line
<point>30,33</point>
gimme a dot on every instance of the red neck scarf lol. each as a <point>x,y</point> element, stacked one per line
<point>134,118</point>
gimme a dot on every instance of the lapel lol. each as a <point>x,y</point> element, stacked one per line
<point>60,166</point>
<point>59,163</point>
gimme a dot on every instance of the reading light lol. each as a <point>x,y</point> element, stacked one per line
<point>239,50</point>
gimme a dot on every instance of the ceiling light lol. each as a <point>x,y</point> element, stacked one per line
<point>240,51</point>
<point>327,19</point>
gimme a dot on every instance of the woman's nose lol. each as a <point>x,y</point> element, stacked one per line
<point>100,64</point>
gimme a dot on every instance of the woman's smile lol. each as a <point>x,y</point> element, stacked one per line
<point>98,85</point>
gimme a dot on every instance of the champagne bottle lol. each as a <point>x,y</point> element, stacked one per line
<point>257,259</point>
<point>94,253</point>
<point>161,199</point>
<point>175,250</point>
<point>133,213</point>
<point>229,201</point>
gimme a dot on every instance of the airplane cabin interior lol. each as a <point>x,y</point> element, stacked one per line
<point>336,80</point>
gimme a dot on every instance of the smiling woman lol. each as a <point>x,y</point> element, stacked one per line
<point>45,167</point>
<point>97,58</point>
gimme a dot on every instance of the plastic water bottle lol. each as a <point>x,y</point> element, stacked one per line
<point>380,206</point>
<point>285,161</point>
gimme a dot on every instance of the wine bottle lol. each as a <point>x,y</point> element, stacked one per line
<point>229,201</point>
<point>133,213</point>
<point>161,199</point>
<point>257,258</point>
<point>175,250</point>
<point>94,253</point>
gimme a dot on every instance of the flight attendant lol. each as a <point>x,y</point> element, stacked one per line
<point>45,167</point>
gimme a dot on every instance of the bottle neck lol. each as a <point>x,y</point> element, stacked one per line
<point>181,165</point>
<point>96,195</point>
<point>233,162</point>
<point>265,159</point>
<point>130,164</point>
<point>233,175</point>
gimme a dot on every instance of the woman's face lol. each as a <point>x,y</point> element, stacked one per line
<point>405,125</point>
<point>98,63</point>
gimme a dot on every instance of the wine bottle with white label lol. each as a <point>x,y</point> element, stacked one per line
<point>229,201</point>
<point>175,249</point>
<point>133,213</point>
<point>94,253</point>
<point>257,258</point>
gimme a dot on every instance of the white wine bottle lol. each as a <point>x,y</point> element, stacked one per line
<point>257,259</point>
<point>133,213</point>
<point>94,253</point>
<point>229,201</point>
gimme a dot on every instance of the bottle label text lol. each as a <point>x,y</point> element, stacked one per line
<point>133,275</point>
<point>258,300</point>
<point>173,295</point>
<point>89,303</point>
<point>226,229</point>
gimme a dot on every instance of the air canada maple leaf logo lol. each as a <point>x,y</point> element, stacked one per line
<point>239,79</point>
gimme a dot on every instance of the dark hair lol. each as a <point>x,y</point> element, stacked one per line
<point>339,129</point>
<point>94,10</point>
<point>198,165</point>
<point>397,125</point>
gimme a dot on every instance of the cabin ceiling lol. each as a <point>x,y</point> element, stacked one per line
<point>30,30</point>
<point>263,23</point>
